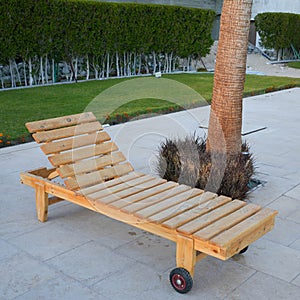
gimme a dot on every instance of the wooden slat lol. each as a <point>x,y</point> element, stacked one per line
<point>198,202</point>
<point>134,207</point>
<point>227,222</point>
<point>236,233</point>
<point>210,217</point>
<point>61,133</point>
<point>132,190</point>
<point>55,123</point>
<point>82,153</point>
<point>210,202</point>
<point>144,194</point>
<point>120,187</point>
<point>160,206</point>
<point>108,184</point>
<point>82,181</point>
<point>75,142</point>
<point>54,200</point>
<point>91,165</point>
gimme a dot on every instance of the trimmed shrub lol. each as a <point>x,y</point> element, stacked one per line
<point>278,30</point>
<point>91,39</point>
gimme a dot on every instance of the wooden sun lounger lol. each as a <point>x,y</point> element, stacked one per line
<point>97,176</point>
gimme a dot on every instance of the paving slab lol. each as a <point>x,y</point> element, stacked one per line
<point>263,286</point>
<point>272,258</point>
<point>62,288</point>
<point>21,273</point>
<point>90,263</point>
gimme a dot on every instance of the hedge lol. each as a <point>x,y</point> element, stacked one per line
<point>43,39</point>
<point>278,30</point>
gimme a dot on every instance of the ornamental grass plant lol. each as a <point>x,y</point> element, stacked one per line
<point>186,161</point>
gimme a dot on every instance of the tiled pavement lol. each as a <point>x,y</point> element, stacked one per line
<point>79,254</point>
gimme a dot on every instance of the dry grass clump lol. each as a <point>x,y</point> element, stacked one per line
<point>186,161</point>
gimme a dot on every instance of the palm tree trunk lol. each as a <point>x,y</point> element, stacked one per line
<point>225,124</point>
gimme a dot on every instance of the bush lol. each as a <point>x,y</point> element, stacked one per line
<point>278,30</point>
<point>186,161</point>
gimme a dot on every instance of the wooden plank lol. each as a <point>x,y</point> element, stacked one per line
<point>227,222</point>
<point>75,142</point>
<point>83,153</point>
<point>82,181</point>
<point>41,200</point>
<point>61,133</point>
<point>210,201</point>
<point>108,184</point>
<point>210,217</point>
<point>60,122</point>
<point>160,206</point>
<point>233,236</point>
<point>93,164</point>
<point>196,202</point>
<point>42,172</point>
<point>144,194</point>
<point>121,187</point>
<point>134,207</point>
<point>185,254</point>
<point>130,191</point>
<point>53,200</point>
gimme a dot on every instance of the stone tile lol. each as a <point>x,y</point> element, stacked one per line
<point>285,206</point>
<point>7,250</point>
<point>294,192</point>
<point>296,281</point>
<point>274,188</point>
<point>22,273</point>
<point>271,258</point>
<point>49,241</point>
<point>284,232</point>
<point>90,263</point>
<point>16,222</point>
<point>296,245</point>
<point>61,288</point>
<point>135,282</point>
<point>263,286</point>
<point>214,279</point>
<point>151,250</point>
<point>295,216</point>
<point>94,226</point>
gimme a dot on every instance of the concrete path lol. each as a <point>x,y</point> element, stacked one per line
<point>79,254</point>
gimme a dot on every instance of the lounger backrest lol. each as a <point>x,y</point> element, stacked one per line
<point>82,153</point>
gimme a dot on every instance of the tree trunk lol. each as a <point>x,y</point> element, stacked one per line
<point>225,124</point>
<point>30,72</point>
<point>42,70</point>
<point>87,67</point>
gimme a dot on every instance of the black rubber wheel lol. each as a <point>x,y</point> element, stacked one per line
<point>181,280</point>
<point>244,250</point>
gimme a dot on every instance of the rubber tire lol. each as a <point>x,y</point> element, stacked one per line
<point>181,275</point>
<point>243,250</point>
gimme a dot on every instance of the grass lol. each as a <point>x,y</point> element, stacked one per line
<point>294,64</point>
<point>23,105</point>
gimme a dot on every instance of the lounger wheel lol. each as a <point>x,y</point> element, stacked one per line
<point>243,250</point>
<point>181,280</point>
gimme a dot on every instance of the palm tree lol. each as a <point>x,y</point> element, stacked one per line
<point>225,124</point>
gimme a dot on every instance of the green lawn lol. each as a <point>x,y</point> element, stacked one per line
<point>20,106</point>
<point>294,64</point>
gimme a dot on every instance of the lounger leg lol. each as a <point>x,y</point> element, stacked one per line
<point>41,199</point>
<point>181,278</point>
<point>186,254</point>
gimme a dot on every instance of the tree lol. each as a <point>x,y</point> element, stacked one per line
<point>225,124</point>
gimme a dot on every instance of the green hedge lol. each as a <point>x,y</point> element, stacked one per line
<point>278,30</point>
<point>105,39</point>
